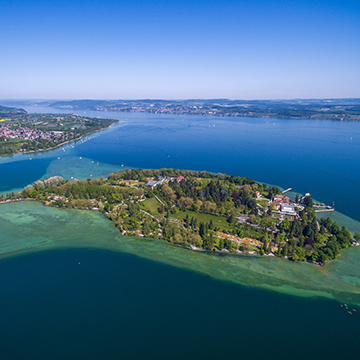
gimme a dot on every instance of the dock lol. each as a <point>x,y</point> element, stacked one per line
<point>324,210</point>
<point>285,191</point>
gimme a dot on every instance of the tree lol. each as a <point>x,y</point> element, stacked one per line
<point>308,202</point>
<point>319,240</point>
<point>286,249</point>
<point>185,203</point>
<point>357,236</point>
<point>315,256</point>
<point>168,192</point>
<point>33,193</point>
<point>211,225</point>
<point>187,221</point>
<point>327,222</point>
<point>230,219</point>
<point>198,205</point>
<point>335,228</point>
<point>221,244</point>
<point>285,225</point>
<point>245,192</point>
<point>210,207</point>
<point>202,229</point>
<point>299,255</point>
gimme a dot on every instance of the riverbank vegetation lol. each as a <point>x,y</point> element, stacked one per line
<point>200,210</point>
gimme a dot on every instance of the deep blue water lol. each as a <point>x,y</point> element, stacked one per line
<point>117,306</point>
<point>16,175</point>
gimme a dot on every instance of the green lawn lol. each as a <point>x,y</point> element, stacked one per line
<point>218,221</point>
<point>262,202</point>
<point>151,205</point>
<point>16,140</point>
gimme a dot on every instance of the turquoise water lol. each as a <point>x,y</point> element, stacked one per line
<point>168,302</point>
<point>70,297</point>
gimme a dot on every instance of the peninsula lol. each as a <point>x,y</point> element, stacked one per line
<point>21,132</point>
<point>202,211</point>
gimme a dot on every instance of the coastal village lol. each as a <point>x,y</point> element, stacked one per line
<point>30,134</point>
<point>23,132</point>
<point>203,212</point>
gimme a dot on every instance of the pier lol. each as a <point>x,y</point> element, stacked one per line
<point>285,191</point>
<point>324,210</point>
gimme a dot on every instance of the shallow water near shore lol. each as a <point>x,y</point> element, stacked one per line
<point>91,293</point>
<point>30,227</point>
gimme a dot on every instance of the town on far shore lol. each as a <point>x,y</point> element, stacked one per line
<point>21,132</point>
<point>203,211</point>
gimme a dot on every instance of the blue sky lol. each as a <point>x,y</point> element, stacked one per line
<point>179,49</point>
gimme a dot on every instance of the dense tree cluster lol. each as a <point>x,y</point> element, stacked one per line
<point>191,207</point>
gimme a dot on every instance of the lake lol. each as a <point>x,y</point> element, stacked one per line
<point>83,291</point>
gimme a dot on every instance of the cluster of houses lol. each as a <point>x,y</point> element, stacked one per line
<point>283,205</point>
<point>160,180</point>
<point>31,134</point>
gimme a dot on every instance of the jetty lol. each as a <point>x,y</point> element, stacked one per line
<point>324,210</point>
<point>285,191</point>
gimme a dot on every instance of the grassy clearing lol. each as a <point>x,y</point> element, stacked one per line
<point>16,140</point>
<point>131,183</point>
<point>151,205</point>
<point>262,202</point>
<point>218,221</point>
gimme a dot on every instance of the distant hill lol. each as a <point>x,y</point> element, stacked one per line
<point>6,111</point>
<point>333,109</point>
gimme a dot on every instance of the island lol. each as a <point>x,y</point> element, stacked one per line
<point>21,132</point>
<point>202,211</point>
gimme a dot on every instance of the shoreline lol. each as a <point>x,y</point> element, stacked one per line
<point>192,248</point>
<point>59,145</point>
<point>214,115</point>
<point>247,270</point>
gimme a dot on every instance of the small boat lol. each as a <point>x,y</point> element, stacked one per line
<point>80,158</point>
<point>350,312</point>
<point>122,164</point>
<point>353,310</point>
<point>97,164</point>
<point>58,157</point>
<point>341,305</point>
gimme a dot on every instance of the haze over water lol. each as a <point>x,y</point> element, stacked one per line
<point>130,299</point>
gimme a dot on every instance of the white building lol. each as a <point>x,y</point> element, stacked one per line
<point>288,209</point>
